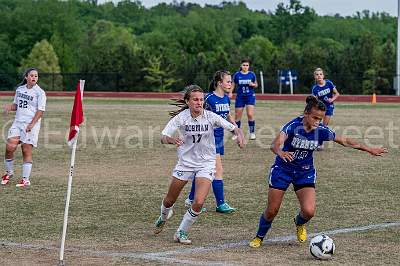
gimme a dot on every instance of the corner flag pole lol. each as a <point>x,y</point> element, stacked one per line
<point>71,173</point>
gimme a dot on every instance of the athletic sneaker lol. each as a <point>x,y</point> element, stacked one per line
<point>252,136</point>
<point>5,179</point>
<point>23,183</point>
<point>159,225</point>
<point>225,208</point>
<point>301,232</point>
<point>182,237</point>
<point>256,242</point>
<point>188,204</point>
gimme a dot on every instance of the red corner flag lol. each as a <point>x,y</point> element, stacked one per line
<point>77,114</point>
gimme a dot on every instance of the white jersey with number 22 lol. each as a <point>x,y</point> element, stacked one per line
<point>28,102</point>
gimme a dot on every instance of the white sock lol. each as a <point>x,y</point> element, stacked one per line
<point>165,211</point>
<point>26,170</point>
<point>9,163</point>
<point>188,220</point>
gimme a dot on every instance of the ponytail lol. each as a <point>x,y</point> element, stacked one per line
<point>181,103</point>
<point>313,102</point>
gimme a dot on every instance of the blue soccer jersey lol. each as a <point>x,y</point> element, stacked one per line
<point>218,105</point>
<point>325,92</point>
<point>303,144</point>
<point>242,82</point>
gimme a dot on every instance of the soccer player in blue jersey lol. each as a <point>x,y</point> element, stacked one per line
<point>245,82</point>
<point>294,165</point>
<point>326,92</point>
<point>218,102</point>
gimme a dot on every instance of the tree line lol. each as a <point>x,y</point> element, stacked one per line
<point>125,46</point>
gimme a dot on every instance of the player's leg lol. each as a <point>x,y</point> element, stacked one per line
<point>218,188</point>
<point>279,181</point>
<point>26,165</point>
<point>325,122</point>
<point>11,146</point>
<point>203,185</point>
<point>306,197</point>
<point>175,187</point>
<point>251,121</point>
<point>190,198</point>
<point>28,141</point>
<point>239,106</point>
<point>275,197</point>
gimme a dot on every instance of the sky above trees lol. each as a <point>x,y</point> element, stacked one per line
<point>322,7</point>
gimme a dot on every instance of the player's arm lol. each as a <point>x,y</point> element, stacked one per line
<point>171,140</point>
<point>254,84</point>
<point>276,147</point>
<point>167,135</point>
<point>232,127</point>
<point>10,107</point>
<point>348,142</point>
<point>38,115</point>
<point>230,118</point>
<point>336,94</point>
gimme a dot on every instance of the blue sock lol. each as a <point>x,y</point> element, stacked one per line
<point>191,194</point>
<point>252,126</point>
<point>238,123</point>
<point>218,189</point>
<point>300,220</point>
<point>263,227</point>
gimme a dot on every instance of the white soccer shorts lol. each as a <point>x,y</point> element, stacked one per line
<point>189,175</point>
<point>18,129</point>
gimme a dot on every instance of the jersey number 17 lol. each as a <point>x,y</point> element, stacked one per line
<point>196,139</point>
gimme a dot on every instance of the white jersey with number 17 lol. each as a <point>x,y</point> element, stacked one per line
<point>28,102</point>
<point>198,150</point>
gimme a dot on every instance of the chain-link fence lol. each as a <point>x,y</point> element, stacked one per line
<point>349,84</point>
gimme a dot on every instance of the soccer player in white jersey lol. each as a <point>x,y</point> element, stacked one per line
<point>29,104</point>
<point>196,156</point>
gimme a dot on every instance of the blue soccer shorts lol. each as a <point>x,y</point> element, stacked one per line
<point>280,178</point>
<point>329,110</point>
<point>243,100</point>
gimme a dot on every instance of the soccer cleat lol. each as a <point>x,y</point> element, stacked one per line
<point>159,225</point>
<point>188,204</point>
<point>23,183</point>
<point>252,136</point>
<point>182,237</point>
<point>225,208</point>
<point>301,232</point>
<point>256,242</point>
<point>5,179</point>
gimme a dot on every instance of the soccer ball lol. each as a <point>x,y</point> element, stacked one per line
<point>322,247</point>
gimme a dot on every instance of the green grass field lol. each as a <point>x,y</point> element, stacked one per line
<point>122,173</point>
